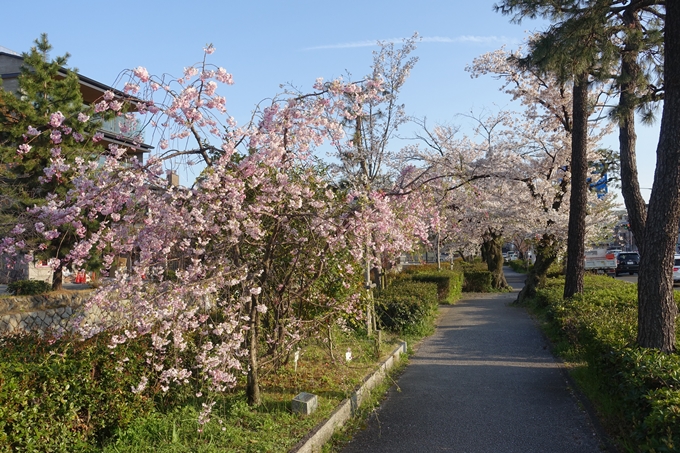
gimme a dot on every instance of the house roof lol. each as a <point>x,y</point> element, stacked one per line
<point>8,51</point>
<point>91,88</point>
<point>91,91</point>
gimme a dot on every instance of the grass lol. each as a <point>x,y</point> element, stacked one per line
<point>270,427</point>
<point>170,422</point>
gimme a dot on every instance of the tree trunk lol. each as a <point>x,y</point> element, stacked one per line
<point>369,291</point>
<point>630,186</point>
<point>438,251</point>
<point>253,381</point>
<point>579,190</point>
<point>58,278</point>
<point>656,305</point>
<point>492,253</point>
<point>546,254</point>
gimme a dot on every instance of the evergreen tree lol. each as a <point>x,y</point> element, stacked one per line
<point>576,49</point>
<point>48,94</point>
<point>657,308</point>
<point>638,26</point>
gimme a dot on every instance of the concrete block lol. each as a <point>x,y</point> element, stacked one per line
<point>305,403</point>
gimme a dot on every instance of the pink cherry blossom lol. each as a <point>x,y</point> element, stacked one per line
<point>56,119</point>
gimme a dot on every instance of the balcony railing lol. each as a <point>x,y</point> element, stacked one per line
<point>119,126</point>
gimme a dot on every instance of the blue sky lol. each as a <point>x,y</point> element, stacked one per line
<point>267,43</point>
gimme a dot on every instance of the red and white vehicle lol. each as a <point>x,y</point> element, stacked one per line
<point>601,261</point>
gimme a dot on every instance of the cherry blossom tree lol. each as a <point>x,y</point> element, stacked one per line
<point>365,160</point>
<point>543,140</point>
<point>269,245</point>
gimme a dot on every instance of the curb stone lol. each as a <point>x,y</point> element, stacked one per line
<point>315,440</point>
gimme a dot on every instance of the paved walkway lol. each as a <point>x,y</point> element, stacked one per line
<point>484,382</point>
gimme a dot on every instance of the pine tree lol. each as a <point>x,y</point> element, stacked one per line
<point>46,87</point>
<point>638,25</point>
<point>575,49</point>
<point>657,308</point>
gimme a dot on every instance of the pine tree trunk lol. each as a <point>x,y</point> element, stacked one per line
<point>630,186</point>
<point>579,190</point>
<point>656,305</point>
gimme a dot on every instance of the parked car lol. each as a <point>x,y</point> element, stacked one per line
<point>627,262</point>
<point>512,256</point>
<point>676,269</point>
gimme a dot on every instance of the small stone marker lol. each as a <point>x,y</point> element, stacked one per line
<point>348,355</point>
<point>305,403</point>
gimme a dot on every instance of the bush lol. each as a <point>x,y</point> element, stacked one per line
<point>67,396</point>
<point>405,306</point>
<point>601,327</point>
<point>555,270</point>
<point>478,281</point>
<point>28,287</point>
<point>474,266</point>
<point>449,284</point>
<point>521,266</point>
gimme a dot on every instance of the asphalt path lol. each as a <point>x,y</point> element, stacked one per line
<point>486,381</point>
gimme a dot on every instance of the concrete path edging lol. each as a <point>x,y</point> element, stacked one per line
<point>315,440</point>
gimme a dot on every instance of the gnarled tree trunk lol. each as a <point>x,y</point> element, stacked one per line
<point>58,278</point>
<point>546,255</point>
<point>492,254</point>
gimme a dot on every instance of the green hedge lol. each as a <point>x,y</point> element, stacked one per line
<point>28,287</point>
<point>405,306</point>
<point>478,282</point>
<point>63,396</point>
<point>601,327</point>
<point>521,266</point>
<point>410,301</point>
<point>474,266</point>
<point>449,284</point>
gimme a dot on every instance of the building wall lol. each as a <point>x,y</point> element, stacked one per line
<point>10,65</point>
<point>24,271</point>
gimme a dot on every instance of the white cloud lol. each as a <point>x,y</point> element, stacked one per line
<point>440,39</point>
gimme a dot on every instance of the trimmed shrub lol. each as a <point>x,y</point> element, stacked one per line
<point>449,284</point>
<point>478,281</point>
<point>474,266</point>
<point>404,306</point>
<point>521,266</point>
<point>28,287</point>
